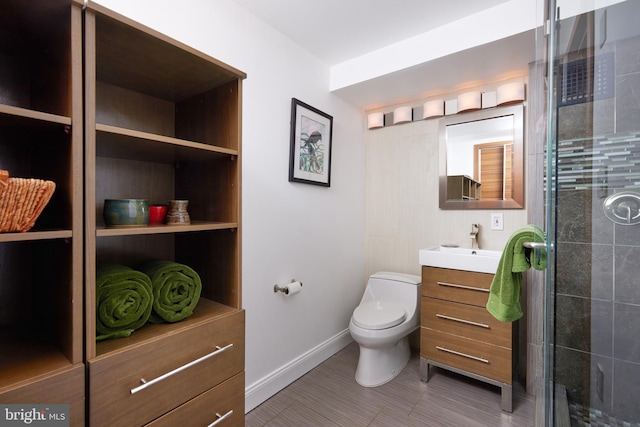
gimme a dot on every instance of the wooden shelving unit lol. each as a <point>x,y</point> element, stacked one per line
<point>41,339</point>
<point>163,122</point>
<point>157,120</point>
<point>462,187</point>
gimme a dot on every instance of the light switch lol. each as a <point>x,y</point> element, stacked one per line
<point>497,221</point>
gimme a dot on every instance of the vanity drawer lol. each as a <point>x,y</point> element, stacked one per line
<point>456,285</point>
<point>114,378</point>
<point>223,401</point>
<point>465,320</point>
<point>469,355</point>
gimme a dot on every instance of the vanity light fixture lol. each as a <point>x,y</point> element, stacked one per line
<point>450,107</point>
<point>433,108</point>
<point>469,101</point>
<point>488,99</point>
<point>375,120</point>
<point>510,92</point>
<point>402,115</point>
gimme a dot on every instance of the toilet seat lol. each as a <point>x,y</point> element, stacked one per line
<point>378,315</point>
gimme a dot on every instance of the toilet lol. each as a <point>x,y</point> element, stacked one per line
<point>388,312</point>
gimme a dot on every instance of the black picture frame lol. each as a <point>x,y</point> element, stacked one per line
<point>310,146</point>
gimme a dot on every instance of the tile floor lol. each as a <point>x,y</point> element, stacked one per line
<point>329,396</point>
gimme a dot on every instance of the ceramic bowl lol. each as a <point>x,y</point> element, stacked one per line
<point>126,212</point>
<point>158,214</point>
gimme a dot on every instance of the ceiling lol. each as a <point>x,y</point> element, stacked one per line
<point>339,30</point>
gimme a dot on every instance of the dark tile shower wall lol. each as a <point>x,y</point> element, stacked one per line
<point>598,276</point>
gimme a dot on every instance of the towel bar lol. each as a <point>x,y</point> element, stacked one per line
<point>535,245</point>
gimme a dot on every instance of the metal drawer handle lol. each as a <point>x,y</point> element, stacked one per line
<point>146,383</point>
<point>220,418</point>
<point>468,356</point>
<point>468,322</point>
<point>471,288</point>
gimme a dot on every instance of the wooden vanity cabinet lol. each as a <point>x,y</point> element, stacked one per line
<point>163,122</point>
<point>458,333</point>
<point>41,314</point>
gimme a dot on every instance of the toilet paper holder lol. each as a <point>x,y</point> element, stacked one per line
<point>284,289</point>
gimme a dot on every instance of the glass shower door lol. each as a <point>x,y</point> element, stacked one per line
<point>592,215</point>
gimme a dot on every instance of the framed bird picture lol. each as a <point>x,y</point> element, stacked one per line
<point>311,134</point>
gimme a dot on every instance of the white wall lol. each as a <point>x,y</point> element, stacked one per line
<point>310,233</point>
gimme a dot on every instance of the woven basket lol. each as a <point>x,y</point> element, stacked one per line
<point>22,201</point>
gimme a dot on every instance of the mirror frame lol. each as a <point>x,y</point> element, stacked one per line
<point>517,202</point>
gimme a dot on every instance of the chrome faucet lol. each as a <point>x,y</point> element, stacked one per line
<point>474,236</point>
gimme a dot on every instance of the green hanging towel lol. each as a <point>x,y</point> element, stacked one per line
<point>504,294</point>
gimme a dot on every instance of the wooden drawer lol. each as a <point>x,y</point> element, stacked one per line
<point>204,409</point>
<point>465,320</point>
<point>473,356</point>
<point>455,285</point>
<point>63,387</point>
<point>114,377</point>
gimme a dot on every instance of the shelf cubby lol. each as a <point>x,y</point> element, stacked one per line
<point>41,310</point>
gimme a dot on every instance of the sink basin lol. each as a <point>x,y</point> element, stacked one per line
<point>479,260</point>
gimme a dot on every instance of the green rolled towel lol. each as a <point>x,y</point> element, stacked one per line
<point>504,293</point>
<point>123,300</point>
<point>176,290</point>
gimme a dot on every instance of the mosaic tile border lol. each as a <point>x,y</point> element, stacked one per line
<point>583,417</point>
<point>600,162</point>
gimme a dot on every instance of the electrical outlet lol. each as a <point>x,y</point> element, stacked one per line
<point>497,221</point>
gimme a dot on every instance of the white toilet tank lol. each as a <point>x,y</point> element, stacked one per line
<point>397,287</point>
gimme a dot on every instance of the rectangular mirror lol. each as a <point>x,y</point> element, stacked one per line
<point>481,159</point>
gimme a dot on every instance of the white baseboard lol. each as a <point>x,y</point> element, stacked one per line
<point>269,385</point>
